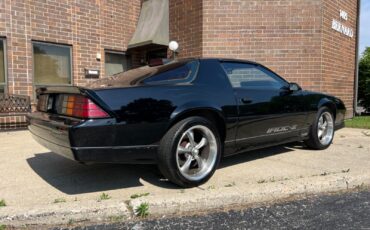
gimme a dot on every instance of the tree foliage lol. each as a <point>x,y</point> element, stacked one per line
<point>364,79</point>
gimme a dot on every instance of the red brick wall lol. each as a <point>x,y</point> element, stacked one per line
<point>12,122</point>
<point>283,35</point>
<point>292,37</point>
<point>338,52</point>
<point>89,26</point>
<point>186,26</point>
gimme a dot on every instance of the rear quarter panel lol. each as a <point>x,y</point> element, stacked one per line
<point>144,113</point>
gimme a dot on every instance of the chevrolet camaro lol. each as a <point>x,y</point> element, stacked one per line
<point>183,116</point>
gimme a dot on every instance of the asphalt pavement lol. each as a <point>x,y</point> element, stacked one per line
<point>344,211</point>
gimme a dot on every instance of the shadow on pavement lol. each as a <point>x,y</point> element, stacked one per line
<point>72,177</point>
<point>258,154</point>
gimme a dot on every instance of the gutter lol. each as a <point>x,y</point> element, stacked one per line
<point>355,98</point>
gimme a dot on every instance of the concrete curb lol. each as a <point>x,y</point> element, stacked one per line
<point>249,194</point>
<point>55,214</point>
<point>182,203</point>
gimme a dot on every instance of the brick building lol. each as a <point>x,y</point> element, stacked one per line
<point>48,42</point>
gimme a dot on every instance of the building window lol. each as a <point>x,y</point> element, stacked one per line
<point>2,67</point>
<point>116,62</point>
<point>52,64</point>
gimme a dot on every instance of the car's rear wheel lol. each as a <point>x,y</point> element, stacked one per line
<point>190,152</point>
<point>322,130</point>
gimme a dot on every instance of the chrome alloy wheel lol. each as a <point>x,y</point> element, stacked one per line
<point>325,128</point>
<point>196,152</point>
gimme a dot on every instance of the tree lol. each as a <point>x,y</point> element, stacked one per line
<point>364,79</point>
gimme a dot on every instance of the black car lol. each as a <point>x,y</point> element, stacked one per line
<point>183,116</point>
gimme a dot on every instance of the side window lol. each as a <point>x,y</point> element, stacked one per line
<point>180,73</point>
<point>243,75</point>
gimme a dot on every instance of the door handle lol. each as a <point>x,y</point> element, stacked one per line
<point>246,100</point>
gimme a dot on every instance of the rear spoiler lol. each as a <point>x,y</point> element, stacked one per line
<point>61,89</point>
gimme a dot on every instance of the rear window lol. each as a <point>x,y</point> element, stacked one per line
<point>182,73</point>
<point>174,72</point>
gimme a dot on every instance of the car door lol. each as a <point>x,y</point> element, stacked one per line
<point>269,112</point>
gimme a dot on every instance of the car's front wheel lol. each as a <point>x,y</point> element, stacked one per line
<point>190,152</point>
<point>322,130</point>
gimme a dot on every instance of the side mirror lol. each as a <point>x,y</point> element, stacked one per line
<point>294,87</point>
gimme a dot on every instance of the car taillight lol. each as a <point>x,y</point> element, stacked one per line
<point>79,106</point>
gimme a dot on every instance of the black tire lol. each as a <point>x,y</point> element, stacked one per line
<point>166,158</point>
<point>314,142</point>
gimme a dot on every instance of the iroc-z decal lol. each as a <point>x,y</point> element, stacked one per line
<point>281,129</point>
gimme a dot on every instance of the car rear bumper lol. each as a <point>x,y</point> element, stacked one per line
<point>56,148</point>
<point>86,141</point>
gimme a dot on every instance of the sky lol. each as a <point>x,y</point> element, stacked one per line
<point>364,25</point>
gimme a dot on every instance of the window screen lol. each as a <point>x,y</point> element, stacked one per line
<point>52,64</point>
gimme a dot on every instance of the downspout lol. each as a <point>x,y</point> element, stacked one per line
<point>357,58</point>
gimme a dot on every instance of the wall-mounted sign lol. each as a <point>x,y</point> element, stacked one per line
<point>343,15</point>
<point>338,26</point>
<point>92,73</point>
